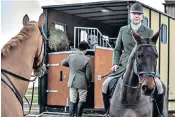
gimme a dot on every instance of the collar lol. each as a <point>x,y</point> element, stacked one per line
<point>141,29</point>
<point>135,27</point>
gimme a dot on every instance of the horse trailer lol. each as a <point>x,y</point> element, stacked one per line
<point>102,20</point>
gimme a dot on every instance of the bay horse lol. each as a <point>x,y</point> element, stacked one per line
<point>22,54</point>
<point>129,98</point>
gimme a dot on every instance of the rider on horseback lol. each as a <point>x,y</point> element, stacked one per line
<point>124,45</point>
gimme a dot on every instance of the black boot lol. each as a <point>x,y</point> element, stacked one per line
<point>71,109</point>
<point>106,103</point>
<point>80,109</point>
<point>160,104</point>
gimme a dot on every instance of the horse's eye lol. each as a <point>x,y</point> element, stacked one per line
<point>139,55</point>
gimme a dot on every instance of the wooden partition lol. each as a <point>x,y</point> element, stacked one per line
<point>57,92</point>
<point>103,63</point>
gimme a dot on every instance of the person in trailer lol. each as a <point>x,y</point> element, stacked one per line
<point>79,78</point>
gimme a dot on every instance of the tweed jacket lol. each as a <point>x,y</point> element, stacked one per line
<point>80,70</point>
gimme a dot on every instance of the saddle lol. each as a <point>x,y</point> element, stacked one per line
<point>113,83</point>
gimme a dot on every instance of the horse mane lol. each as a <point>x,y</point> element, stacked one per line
<point>19,38</point>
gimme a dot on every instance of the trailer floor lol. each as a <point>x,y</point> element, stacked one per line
<point>59,114</point>
<point>66,115</point>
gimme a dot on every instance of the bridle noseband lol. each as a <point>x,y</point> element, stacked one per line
<point>10,83</point>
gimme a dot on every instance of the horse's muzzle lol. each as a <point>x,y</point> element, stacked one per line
<point>146,90</point>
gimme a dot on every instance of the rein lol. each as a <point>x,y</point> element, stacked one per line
<point>15,91</point>
<point>17,76</point>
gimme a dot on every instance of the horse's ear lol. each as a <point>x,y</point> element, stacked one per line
<point>41,21</point>
<point>136,36</point>
<point>25,19</point>
<point>155,36</point>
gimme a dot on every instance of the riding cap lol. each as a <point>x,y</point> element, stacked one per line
<point>136,8</point>
<point>83,45</point>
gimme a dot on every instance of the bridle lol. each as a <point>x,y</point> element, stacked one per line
<point>135,67</point>
<point>43,45</point>
<point>10,83</point>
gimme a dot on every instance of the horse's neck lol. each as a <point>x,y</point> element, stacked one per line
<point>20,61</point>
<point>130,78</point>
<point>130,81</point>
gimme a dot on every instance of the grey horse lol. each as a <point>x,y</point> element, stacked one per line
<point>92,41</point>
<point>129,95</point>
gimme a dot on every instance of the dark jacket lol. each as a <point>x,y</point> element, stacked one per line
<point>80,70</point>
<point>124,45</point>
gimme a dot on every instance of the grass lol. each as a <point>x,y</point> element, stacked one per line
<point>29,95</point>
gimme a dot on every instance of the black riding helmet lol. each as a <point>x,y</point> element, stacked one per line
<point>83,45</point>
<point>136,8</point>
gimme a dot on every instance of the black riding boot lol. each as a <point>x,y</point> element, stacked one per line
<point>80,109</point>
<point>106,103</point>
<point>160,103</point>
<point>71,109</point>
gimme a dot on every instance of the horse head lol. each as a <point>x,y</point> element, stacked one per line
<point>38,65</point>
<point>92,40</point>
<point>145,61</point>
